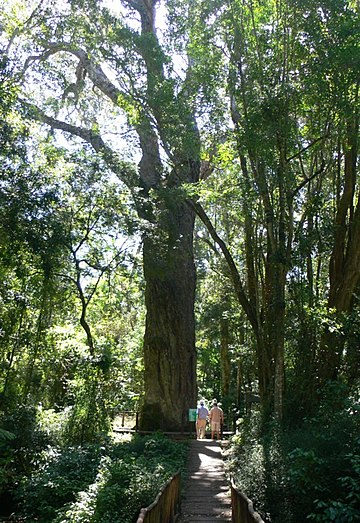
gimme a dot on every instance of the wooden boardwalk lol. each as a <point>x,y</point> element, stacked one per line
<point>206,492</point>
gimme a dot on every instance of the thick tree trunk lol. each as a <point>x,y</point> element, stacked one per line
<point>169,271</point>
<point>166,126</point>
<point>345,260</point>
<point>274,315</point>
<point>169,342</point>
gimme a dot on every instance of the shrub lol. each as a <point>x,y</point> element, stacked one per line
<point>135,479</point>
<point>61,474</point>
<point>97,484</point>
<point>345,509</point>
<point>307,473</point>
<point>320,458</point>
<point>21,442</point>
<point>5,458</point>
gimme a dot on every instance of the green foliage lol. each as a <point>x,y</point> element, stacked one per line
<point>322,467</point>
<point>58,477</point>
<point>5,435</point>
<point>137,476</point>
<point>100,484</point>
<point>29,441</point>
<point>88,420</point>
<point>308,472</point>
<point>346,508</point>
<point>246,454</point>
<point>288,73</point>
<point>129,486</point>
<point>6,472</point>
<point>63,240</point>
<point>21,443</point>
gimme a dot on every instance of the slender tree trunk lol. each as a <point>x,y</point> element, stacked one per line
<point>239,385</point>
<point>275,319</point>
<point>264,353</point>
<point>42,324</point>
<point>14,350</point>
<point>225,357</point>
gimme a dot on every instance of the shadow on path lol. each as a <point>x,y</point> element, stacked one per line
<point>207,493</point>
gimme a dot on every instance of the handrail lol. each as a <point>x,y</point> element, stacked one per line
<point>242,507</point>
<point>166,506</point>
<point>122,415</point>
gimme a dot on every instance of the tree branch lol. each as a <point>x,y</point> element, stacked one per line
<point>25,26</point>
<point>299,153</point>
<point>308,179</point>
<point>124,170</point>
<point>94,71</point>
<point>234,273</point>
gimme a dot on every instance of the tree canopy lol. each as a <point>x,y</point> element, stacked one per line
<point>179,203</point>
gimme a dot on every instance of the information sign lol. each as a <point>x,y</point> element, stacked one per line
<point>192,414</point>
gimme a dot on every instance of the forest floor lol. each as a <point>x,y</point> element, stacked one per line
<point>206,492</point>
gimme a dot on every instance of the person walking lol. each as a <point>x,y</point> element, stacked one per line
<point>201,415</point>
<point>216,416</point>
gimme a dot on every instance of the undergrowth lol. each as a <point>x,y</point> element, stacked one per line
<point>93,484</point>
<point>310,472</point>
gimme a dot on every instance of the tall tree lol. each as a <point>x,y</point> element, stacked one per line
<point>330,29</point>
<point>118,58</point>
<point>283,113</point>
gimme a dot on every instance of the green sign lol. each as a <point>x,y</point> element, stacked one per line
<point>192,414</point>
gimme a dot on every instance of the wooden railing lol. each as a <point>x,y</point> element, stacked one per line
<point>166,507</point>
<point>242,508</point>
<point>126,421</point>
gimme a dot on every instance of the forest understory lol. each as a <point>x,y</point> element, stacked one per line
<point>179,220</point>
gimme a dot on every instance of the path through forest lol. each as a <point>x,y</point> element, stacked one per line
<point>207,493</point>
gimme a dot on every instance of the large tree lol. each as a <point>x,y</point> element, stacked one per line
<point>293,97</point>
<point>85,58</point>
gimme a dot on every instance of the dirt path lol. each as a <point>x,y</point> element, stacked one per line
<point>207,494</point>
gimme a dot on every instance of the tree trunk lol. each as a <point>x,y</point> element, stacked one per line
<point>345,259</point>
<point>166,127</point>
<point>225,357</point>
<point>169,342</point>
<point>169,271</point>
<point>274,315</point>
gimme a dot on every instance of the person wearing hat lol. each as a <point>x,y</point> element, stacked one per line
<point>201,418</point>
<point>216,416</point>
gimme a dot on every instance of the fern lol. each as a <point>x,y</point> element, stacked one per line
<point>5,435</point>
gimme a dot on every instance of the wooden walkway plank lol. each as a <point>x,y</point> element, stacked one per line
<point>206,492</point>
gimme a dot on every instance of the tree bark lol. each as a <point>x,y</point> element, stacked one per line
<point>345,260</point>
<point>225,357</point>
<point>169,342</point>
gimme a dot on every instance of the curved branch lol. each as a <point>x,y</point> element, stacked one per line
<point>94,71</point>
<point>148,137</point>
<point>124,170</point>
<point>234,273</point>
<point>146,10</point>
